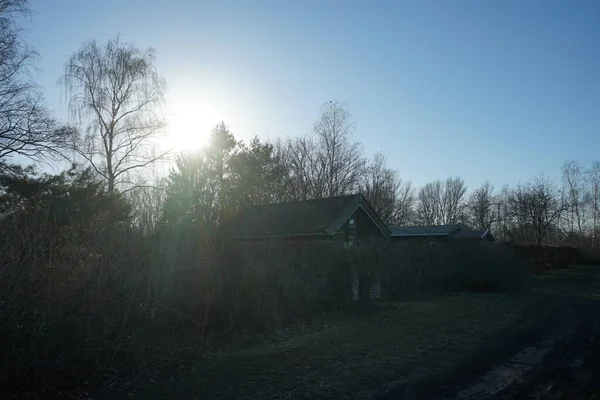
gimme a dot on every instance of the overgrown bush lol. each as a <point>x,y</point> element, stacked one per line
<point>543,257</point>
<point>77,300</point>
<point>488,267</point>
<point>416,268</point>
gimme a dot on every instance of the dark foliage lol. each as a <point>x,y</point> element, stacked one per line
<point>71,197</point>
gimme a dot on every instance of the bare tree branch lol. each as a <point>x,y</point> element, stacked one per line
<point>340,158</point>
<point>440,203</point>
<point>116,92</point>
<point>330,162</point>
<point>26,126</point>
<point>481,207</point>
<point>573,183</point>
<point>389,196</point>
<point>592,178</point>
<point>535,209</point>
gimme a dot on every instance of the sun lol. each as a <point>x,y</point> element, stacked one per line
<point>188,126</point>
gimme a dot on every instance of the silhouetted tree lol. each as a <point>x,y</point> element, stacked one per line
<point>200,186</point>
<point>592,179</point>
<point>405,213</point>
<point>380,187</point>
<point>429,203</point>
<point>305,172</point>
<point>72,197</point>
<point>573,183</point>
<point>116,93</point>
<point>535,209</point>
<point>259,175</point>
<point>390,197</point>
<point>328,163</point>
<point>482,207</point>
<point>440,203</point>
<point>453,204</point>
<point>26,126</point>
<point>339,156</point>
<point>147,203</point>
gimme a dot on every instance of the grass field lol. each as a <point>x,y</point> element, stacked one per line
<point>356,356</point>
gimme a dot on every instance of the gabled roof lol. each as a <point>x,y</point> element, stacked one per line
<point>319,217</point>
<point>468,234</point>
<point>434,230</point>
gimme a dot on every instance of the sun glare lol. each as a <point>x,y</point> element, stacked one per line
<point>188,126</point>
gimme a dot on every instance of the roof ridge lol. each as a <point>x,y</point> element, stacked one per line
<point>421,226</point>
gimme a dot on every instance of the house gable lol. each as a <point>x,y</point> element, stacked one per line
<point>312,218</point>
<point>360,207</point>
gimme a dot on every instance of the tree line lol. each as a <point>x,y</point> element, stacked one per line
<point>116,96</point>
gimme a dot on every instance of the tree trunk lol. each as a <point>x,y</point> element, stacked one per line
<point>111,182</point>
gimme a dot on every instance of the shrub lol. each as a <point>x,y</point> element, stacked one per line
<point>417,268</point>
<point>77,299</point>
<point>543,257</point>
<point>487,267</point>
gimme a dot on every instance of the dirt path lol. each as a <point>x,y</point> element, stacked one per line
<point>558,359</point>
<point>571,370</point>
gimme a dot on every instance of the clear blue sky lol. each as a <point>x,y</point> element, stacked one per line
<point>498,90</point>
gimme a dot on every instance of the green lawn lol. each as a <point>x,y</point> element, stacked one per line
<point>354,355</point>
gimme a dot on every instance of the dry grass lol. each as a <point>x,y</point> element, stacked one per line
<point>354,354</point>
<point>399,343</point>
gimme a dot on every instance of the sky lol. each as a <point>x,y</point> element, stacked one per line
<point>485,90</point>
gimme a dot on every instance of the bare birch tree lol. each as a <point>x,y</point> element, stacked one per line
<point>117,94</point>
<point>592,178</point>
<point>339,157</point>
<point>26,126</point>
<point>482,207</point>
<point>328,163</point>
<point>573,183</point>
<point>504,221</point>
